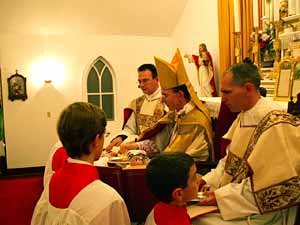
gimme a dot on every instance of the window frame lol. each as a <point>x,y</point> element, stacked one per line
<point>85,93</point>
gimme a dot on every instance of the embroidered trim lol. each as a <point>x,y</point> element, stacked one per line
<point>271,119</point>
<point>284,194</point>
<point>146,121</point>
<point>276,197</point>
<point>236,167</point>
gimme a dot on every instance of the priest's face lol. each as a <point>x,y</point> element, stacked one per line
<point>191,190</point>
<point>233,95</point>
<point>171,99</point>
<point>147,83</point>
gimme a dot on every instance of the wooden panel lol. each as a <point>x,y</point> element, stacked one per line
<point>131,185</point>
<point>138,198</point>
<point>113,176</point>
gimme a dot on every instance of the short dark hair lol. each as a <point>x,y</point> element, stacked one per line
<point>248,60</point>
<point>150,67</point>
<point>263,91</point>
<point>243,73</point>
<point>166,172</point>
<point>78,125</point>
<point>185,91</point>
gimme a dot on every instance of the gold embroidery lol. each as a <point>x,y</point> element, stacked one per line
<point>284,194</point>
<point>278,196</point>
<point>147,121</point>
<point>236,167</point>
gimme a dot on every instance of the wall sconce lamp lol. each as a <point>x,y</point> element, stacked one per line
<point>48,71</point>
<point>48,81</point>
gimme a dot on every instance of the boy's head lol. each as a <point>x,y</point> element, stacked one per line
<point>81,126</point>
<point>172,177</point>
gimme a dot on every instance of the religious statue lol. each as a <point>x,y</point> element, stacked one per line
<point>205,74</point>
<point>283,9</point>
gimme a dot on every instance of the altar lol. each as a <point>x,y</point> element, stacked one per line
<point>131,185</point>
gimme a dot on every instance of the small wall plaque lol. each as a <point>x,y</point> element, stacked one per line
<point>17,87</point>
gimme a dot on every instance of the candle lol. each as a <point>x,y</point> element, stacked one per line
<point>255,13</point>
<point>272,10</point>
<point>276,10</point>
<point>237,16</point>
<point>263,8</point>
<point>292,6</point>
<point>298,7</point>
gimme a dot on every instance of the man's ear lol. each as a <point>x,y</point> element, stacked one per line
<point>96,140</point>
<point>177,195</point>
<point>249,87</point>
<point>181,93</point>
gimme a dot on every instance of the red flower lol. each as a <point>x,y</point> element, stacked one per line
<point>262,45</point>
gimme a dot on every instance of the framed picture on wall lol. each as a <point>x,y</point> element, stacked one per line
<point>283,82</point>
<point>17,87</point>
<point>296,80</point>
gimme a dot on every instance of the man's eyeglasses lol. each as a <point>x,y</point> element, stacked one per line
<point>143,81</point>
<point>106,134</point>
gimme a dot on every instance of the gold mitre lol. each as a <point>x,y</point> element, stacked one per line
<point>173,74</point>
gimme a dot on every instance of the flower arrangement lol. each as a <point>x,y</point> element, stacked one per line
<point>266,48</point>
<point>266,40</point>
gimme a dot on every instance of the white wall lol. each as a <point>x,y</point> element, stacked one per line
<point>198,24</point>
<point>30,133</point>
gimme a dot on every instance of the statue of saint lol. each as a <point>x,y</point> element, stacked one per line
<point>283,9</point>
<point>205,71</point>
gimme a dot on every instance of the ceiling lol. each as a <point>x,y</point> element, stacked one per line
<point>101,17</point>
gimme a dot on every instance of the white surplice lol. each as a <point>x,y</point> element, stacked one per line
<point>236,200</point>
<point>96,203</point>
<point>48,167</point>
<point>131,129</point>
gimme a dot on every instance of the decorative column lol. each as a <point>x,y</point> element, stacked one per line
<point>237,33</point>
<point>237,22</point>
<point>237,49</point>
<point>277,43</point>
<point>255,13</point>
<point>277,48</point>
<point>255,49</point>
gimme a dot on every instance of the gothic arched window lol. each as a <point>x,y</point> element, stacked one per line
<point>100,87</point>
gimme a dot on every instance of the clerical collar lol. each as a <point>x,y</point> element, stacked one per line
<point>155,95</point>
<point>252,116</point>
<point>71,160</point>
<point>186,108</point>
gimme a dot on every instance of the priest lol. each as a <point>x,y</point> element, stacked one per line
<point>187,126</point>
<point>258,180</point>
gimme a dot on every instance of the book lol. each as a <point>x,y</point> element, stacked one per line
<point>196,210</point>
